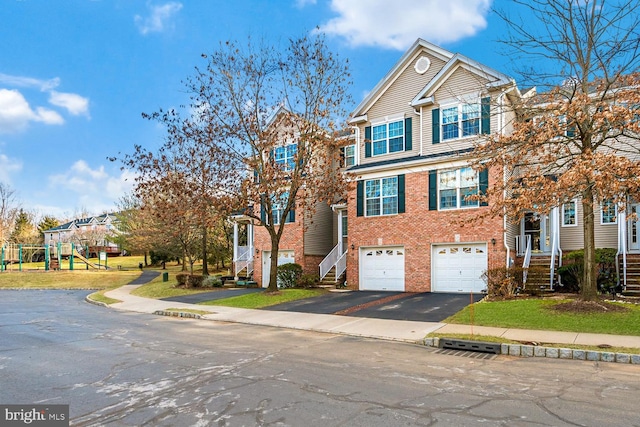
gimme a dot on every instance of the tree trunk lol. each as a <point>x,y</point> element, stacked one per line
<point>146,262</point>
<point>589,289</point>
<point>273,271</point>
<point>205,266</point>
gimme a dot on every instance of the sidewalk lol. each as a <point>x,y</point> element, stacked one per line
<point>396,330</point>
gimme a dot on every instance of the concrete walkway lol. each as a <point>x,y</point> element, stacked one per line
<point>396,330</point>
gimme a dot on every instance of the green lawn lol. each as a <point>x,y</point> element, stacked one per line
<point>536,314</point>
<point>263,299</point>
<point>158,289</point>
<point>77,279</point>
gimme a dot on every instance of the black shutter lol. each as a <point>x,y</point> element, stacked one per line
<point>485,114</point>
<point>360,198</point>
<point>484,184</point>
<point>435,126</point>
<point>433,190</point>
<point>408,134</point>
<point>292,216</point>
<point>263,213</point>
<point>367,141</point>
<point>401,194</point>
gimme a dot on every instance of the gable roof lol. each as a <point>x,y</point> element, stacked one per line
<point>424,97</point>
<point>495,78</point>
<point>383,84</point>
<point>82,222</point>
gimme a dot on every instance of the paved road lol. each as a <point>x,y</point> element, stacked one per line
<point>117,368</point>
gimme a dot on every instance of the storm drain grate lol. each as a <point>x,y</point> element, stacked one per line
<point>464,353</point>
<point>476,346</point>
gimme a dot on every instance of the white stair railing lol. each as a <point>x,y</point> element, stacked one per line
<point>329,262</point>
<point>527,258</point>
<point>244,260</point>
<point>622,248</point>
<point>555,244</point>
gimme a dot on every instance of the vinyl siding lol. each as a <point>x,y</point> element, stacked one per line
<point>319,232</point>
<point>572,238</point>
<point>460,83</point>
<point>395,100</point>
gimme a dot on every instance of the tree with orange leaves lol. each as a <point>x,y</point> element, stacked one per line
<point>580,137</point>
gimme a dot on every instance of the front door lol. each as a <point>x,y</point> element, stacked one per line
<point>538,227</point>
<point>634,224</point>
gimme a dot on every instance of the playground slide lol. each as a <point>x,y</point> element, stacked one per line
<point>86,261</point>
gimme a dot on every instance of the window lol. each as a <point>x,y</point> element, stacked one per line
<point>349,155</point>
<point>344,225</point>
<point>286,155</point>
<point>569,217</point>
<point>608,212</point>
<point>455,186</point>
<point>388,138</point>
<point>460,121</point>
<point>381,196</point>
<point>278,204</point>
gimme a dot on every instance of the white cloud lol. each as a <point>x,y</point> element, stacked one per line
<point>75,104</point>
<point>95,189</point>
<point>158,19</point>
<point>396,25</point>
<point>15,113</point>
<point>22,81</point>
<point>7,167</point>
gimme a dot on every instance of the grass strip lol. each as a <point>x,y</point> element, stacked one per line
<point>266,299</point>
<point>538,314</point>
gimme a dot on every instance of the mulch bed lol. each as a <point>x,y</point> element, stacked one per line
<point>578,306</point>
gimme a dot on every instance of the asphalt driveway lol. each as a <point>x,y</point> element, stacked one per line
<point>421,307</point>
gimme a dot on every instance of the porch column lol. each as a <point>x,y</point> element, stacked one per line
<point>250,239</point>
<point>235,241</point>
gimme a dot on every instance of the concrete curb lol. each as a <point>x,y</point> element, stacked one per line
<point>90,301</point>
<point>177,314</point>
<point>523,350</point>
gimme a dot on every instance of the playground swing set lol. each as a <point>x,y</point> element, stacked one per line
<point>18,254</point>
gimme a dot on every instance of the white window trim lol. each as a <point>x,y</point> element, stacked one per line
<point>471,101</point>
<point>381,197</point>
<point>386,123</point>
<point>575,202</point>
<point>458,187</point>
<point>602,214</point>
<point>284,162</point>
<point>353,156</point>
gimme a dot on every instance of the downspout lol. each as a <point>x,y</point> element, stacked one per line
<point>419,113</point>
<point>356,153</point>
<point>504,180</point>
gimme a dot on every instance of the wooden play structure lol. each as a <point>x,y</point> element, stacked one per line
<point>14,255</point>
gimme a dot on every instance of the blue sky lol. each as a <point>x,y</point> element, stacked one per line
<point>75,75</point>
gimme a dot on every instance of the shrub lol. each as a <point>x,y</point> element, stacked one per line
<point>183,279</point>
<point>308,281</point>
<point>503,282</point>
<point>288,275</point>
<point>196,280</point>
<point>572,270</point>
<point>212,282</point>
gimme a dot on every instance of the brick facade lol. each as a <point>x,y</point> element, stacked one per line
<point>417,230</point>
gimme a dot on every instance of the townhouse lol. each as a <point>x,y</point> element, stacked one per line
<point>407,223</point>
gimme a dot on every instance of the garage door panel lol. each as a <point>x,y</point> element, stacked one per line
<point>459,267</point>
<point>382,269</point>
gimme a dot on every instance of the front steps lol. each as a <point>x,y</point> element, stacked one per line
<point>633,274</point>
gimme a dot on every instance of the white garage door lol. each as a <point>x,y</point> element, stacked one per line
<point>459,267</point>
<point>284,257</point>
<point>382,269</point>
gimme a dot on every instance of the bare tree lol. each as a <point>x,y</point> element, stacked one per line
<point>579,137</point>
<point>248,104</point>
<point>9,209</point>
